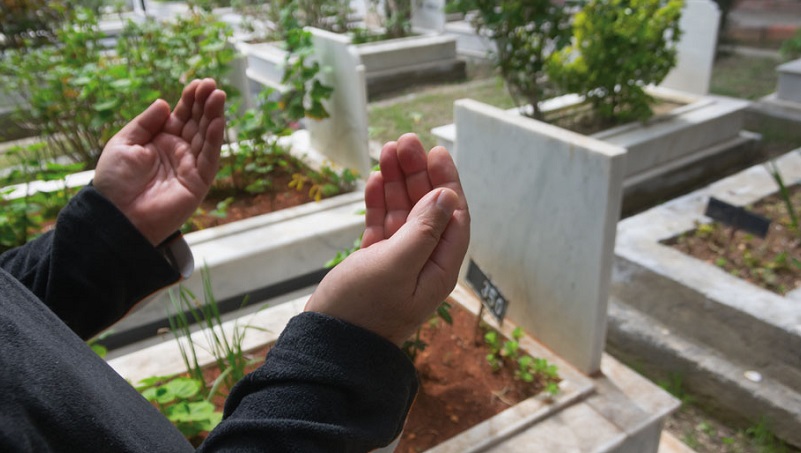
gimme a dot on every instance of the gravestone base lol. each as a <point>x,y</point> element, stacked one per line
<point>644,191</point>
<point>393,80</point>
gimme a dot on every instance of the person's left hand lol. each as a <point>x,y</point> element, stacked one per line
<point>158,168</point>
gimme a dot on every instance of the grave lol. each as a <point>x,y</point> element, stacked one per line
<point>667,154</point>
<point>389,65</point>
<point>546,241</point>
<point>545,205</point>
<point>733,344</point>
<point>686,147</point>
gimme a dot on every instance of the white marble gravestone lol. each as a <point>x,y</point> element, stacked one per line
<point>544,204</point>
<point>343,137</point>
<point>789,85</point>
<point>429,15</point>
<point>696,48</point>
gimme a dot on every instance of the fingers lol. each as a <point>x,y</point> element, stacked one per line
<point>439,275</point>
<point>404,168</point>
<point>145,126</point>
<point>412,246</point>
<point>414,164</point>
<point>376,210</point>
<point>442,172</point>
<point>199,105</point>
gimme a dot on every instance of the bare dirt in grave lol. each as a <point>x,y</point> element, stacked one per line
<point>458,388</point>
<point>247,205</point>
<point>773,263</point>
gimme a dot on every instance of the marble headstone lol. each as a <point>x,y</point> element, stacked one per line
<point>789,85</point>
<point>696,48</point>
<point>343,136</point>
<point>429,15</point>
<point>544,204</point>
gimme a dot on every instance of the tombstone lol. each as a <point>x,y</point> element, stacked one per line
<point>696,48</point>
<point>789,85</point>
<point>359,7</point>
<point>429,15</point>
<point>343,137</point>
<point>544,204</point>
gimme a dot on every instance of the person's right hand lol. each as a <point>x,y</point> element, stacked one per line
<point>158,168</point>
<point>417,233</point>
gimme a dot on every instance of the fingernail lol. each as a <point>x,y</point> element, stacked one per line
<point>447,201</point>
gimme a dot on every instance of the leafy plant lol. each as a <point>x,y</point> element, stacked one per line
<point>96,346</point>
<point>764,437</point>
<point>181,401</point>
<point>527,368</point>
<point>227,352</point>
<point>283,15</point>
<point>526,34</point>
<point>23,218</point>
<point>791,48</point>
<point>415,345</point>
<point>29,23</point>
<point>620,47</point>
<point>79,95</point>
<point>785,195</point>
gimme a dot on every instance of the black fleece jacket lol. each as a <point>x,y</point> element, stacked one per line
<point>325,386</point>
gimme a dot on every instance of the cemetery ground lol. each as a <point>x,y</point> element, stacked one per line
<point>744,76</point>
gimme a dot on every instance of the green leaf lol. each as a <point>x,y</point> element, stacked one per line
<point>106,105</point>
<point>183,387</point>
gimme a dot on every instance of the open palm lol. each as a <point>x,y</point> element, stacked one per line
<point>159,167</point>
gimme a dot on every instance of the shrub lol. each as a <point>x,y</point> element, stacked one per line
<point>25,23</point>
<point>791,48</point>
<point>525,32</point>
<point>620,47</point>
<point>285,15</point>
<point>79,95</point>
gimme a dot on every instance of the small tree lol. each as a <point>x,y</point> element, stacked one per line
<point>526,33</point>
<point>620,47</point>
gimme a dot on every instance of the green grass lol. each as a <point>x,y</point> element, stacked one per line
<point>744,77</point>
<point>429,108</point>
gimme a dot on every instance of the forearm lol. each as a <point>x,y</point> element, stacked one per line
<point>326,386</point>
<point>93,268</point>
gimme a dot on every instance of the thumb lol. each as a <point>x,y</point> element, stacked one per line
<point>146,125</point>
<point>412,245</point>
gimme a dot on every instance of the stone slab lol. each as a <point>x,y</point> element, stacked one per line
<point>545,203</point>
<point>402,52</point>
<point>343,137</point>
<point>717,382</point>
<point>688,129</point>
<point>696,48</point>
<point>255,253</point>
<point>625,414</point>
<point>789,85</point>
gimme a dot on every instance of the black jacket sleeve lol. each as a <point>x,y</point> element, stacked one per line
<point>326,386</point>
<point>93,268</point>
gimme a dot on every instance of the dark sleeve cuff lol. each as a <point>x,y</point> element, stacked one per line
<point>326,385</point>
<point>101,265</point>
